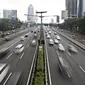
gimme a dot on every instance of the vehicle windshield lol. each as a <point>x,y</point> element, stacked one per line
<point>34,34</point>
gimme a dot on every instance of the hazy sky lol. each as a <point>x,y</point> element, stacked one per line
<point>53,7</point>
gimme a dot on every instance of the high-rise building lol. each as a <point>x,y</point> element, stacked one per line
<point>71,7</point>
<point>30,17</point>
<point>81,8</point>
<point>9,14</point>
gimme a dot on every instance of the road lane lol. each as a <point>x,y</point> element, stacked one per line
<point>22,62</point>
<point>56,77</point>
<point>77,73</point>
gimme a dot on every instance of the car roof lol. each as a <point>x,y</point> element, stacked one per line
<point>19,46</point>
<point>63,62</point>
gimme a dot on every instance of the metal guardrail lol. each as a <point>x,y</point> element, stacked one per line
<point>32,70</point>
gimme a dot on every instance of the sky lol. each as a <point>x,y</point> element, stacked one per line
<point>53,7</point>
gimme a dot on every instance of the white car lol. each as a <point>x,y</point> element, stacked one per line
<point>49,32</point>
<point>51,42</point>
<point>56,41</point>
<point>58,37</point>
<point>33,42</point>
<point>3,51</point>
<point>22,39</point>
<point>19,48</point>
<point>71,48</point>
<point>48,36</point>
<point>61,47</point>
<point>55,33</point>
<point>35,35</point>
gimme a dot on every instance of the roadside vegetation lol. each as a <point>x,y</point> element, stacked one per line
<point>74,25</point>
<point>9,24</point>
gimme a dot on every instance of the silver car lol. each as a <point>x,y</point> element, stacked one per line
<point>71,48</point>
<point>3,51</point>
<point>64,68</point>
<point>56,41</point>
<point>51,42</point>
<point>19,48</point>
<point>61,47</point>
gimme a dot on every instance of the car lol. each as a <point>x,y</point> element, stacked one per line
<point>26,35</point>
<point>4,73</point>
<point>48,36</point>
<point>55,33</point>
<point>35,35</point>
<point>49,32</point>
<point>13,31</point>
<point>34,32</point>
<point>15,78</point>
<point>71,48</point>
<point>2,66</point>
<point>19,48</point>
<point>58,37</point>
<point>3,35</point>
<point>56,41</point>
<point>64,68</point>
<point>51,42</point>
<point>3,51</point>
<point>31,31</point>
<point>33,42</point>
<point>8,33</point>
<point>22,39</point>
<point>61,48</point>
<point>7,38</point>
<point>62,30</point>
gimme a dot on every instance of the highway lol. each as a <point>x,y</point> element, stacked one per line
<point>76,62</point>
<point>22,62</point>
<point>14,35</point>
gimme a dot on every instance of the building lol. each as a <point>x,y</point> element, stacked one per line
<point>6,13</point>
<point>30,17</point>
<point>81,8</point>
<point>71,7</point>
<point>9,14</point>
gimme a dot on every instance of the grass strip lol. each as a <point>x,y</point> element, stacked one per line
<point>39,75</point>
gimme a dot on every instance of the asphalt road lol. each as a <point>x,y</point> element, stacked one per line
<point>75,61</point>
<point>14,35</point>
<point>22,62</point>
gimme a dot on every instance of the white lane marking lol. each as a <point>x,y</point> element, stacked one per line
<point>9,56</point>
<point>31,67</point>
<point>22,56</point>
<point>82,69</point>
<point>68,53</point>
<point>57,53</point>
<point>7,78</point>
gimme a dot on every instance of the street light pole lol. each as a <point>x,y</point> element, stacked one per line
<point>41,34</point>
